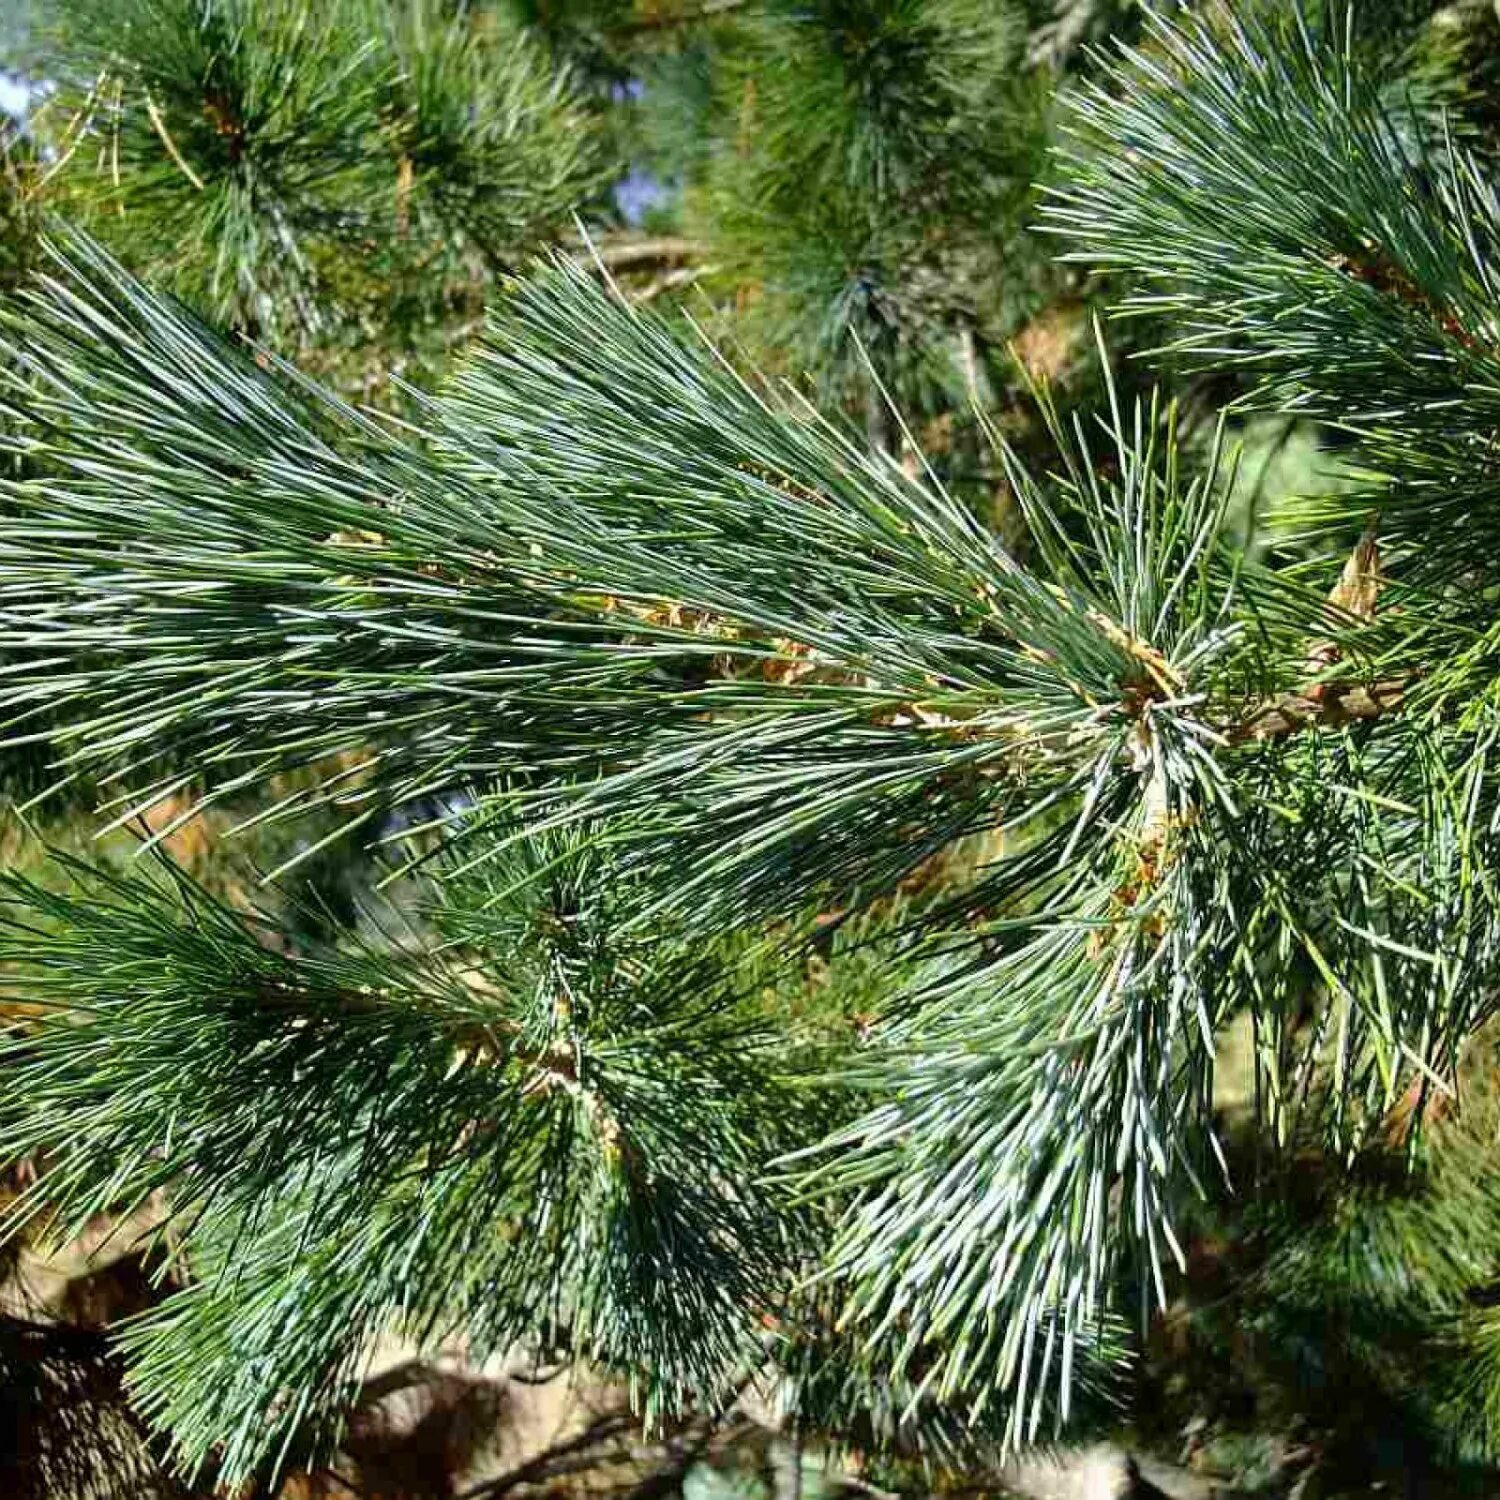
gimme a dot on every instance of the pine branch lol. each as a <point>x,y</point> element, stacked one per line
<point>1330,706</point>
<point>253,152</point>
<point>774,667</point>
<point>648,254</point>
<point>562,1144</point>
<point>577,575</point>
<point>867,188</point>
<point>1304,223</point>
<point>704,10</point>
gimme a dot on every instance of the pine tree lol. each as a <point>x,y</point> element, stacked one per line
<point>675,674</point>
<point>343,184</point>
<point>327,180</point>
<point>867,192</point>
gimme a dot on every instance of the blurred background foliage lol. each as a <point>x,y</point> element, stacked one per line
<point>843,193</point>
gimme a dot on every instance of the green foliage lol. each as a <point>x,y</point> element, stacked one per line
<point>847,1398</point>
<point>809,673</point>
<point>1346,1304</point>
<point>240,130</point>
<point>291,169</point>
<point>18,217</point>
<point>591,35</point>
<point>660,672</point>
<point>873,174</point>
<point>500,150</point>
<point>561,1149</point>
<point>1351,280</point>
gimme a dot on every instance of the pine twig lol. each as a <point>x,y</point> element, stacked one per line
<point>1336,705</point>
<point>665,20</point>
